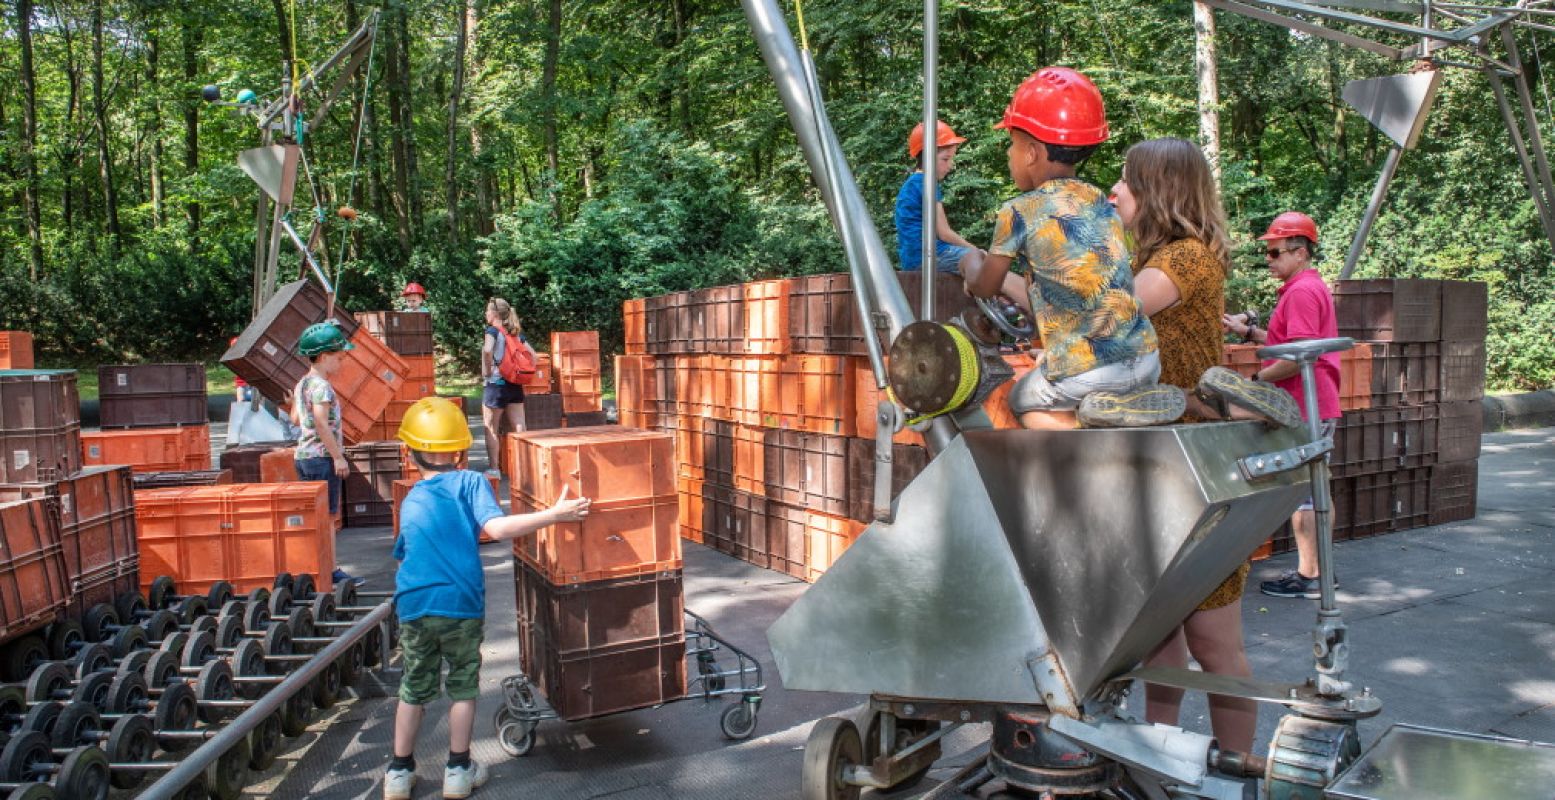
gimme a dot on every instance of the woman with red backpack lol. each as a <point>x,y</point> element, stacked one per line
<point>507,361</point>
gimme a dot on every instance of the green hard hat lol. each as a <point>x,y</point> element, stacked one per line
<point>323,338</point>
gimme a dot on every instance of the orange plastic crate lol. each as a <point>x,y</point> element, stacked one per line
<point>1355,378</point>
<point>750,379</point>
<point>635,382</point>
<point>605,464</point>
<point>369,378</point>
<point>150,449</point>
<point>544,376</point>
<point>694,509</point>
<point>1242,358</point>
<point>567,341</point>
<point>634,319</point>
<point>750,460</point>
<point>278,466</point>
<point>766,317</point>
<point>688,450</point>
<point>576,403</point>
<point>243,533</point>
<point>811,393</point>
<point>15,350</point>
<point>420,380</point>
<point>826,539</point>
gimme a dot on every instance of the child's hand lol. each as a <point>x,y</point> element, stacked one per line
<point>570,510</point>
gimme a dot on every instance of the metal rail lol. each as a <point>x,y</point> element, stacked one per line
<point>192,766</point>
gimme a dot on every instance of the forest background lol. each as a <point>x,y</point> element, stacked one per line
<point>570,154</point>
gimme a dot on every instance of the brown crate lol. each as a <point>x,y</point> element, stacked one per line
<point>585,419</point>
<point>1384,439</point>
<point>1460,427</point>
<point>807,469</point>
<point>266,355</point>
<point>1405,374</point>
<point>16,350</point>
<point>604,680</point>
<point>1389,310</point>
<point>542,412</point>
<point>407,333</point>
<point>717,320</point>
<point>151,395</point>
<point>582,617</point>
<point>199,477</point>
<point>1454,491</point>
<point>40,425</point>
<point>1465,311</point>
<point>1462,371</point>
<point>906,462</point>
<point>822,316</point>
<point>33,588</point>
<point>243,459</point>
<point>1386,501</point>
<point>368,490</point>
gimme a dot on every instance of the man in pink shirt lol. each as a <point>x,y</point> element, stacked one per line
<point>1305,310</point>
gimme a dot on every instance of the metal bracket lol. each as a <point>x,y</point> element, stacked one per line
<point>1262,465</point>
<point>1052,683</point>
<point>887,417</point>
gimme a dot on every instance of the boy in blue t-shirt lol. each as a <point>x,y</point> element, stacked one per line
<point>440,590</point>
<point>952,253</point>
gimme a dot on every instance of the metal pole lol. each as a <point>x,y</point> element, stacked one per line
<point>930,155</point>
<point>1525,99</point>
<point>1379,193</point>
<point>169,785</point>
<point>875,270</point>
<point>1514,130</point>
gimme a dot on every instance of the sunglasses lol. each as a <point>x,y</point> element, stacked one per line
<point>1276,252</point>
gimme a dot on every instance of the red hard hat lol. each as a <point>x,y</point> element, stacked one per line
<point>944,136</point>
<point>1291,223</point>
<point>1058,105</point>
<point>413,288</point>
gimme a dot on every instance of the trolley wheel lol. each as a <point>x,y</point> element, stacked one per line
<point>326,687</point>
<point>372,647</point>
<point>350,664</point>
<point>130,741</point>
<point>46,680</point>
<point>284,581</point>
<point>738,720</point>
<point>296,714</point>
<point>303,586</point>
<point>265,742</point>
<point>41,718</point>
<point>258,597</point>
<point>96,657</point>
<point>135,662</point>
<point>229,775</point>
<point>515,737</point>
<point>127,694</point>
<point>220,592</point>
<point>194,790</point>
<point>74,723</point>
<point>229,630</point>
<point>127,640</point>
<point>280,601</point>
<point>177,710</point>
<point>192,608</point>
<point>13,703</point>
<point>255,617</point>
<point>84,774</point>
<point>160,595</point>
<point>129,605</point>
<point>65,637</point>
<point>323,607</point>
<point>160,669</point>
<point>833,746</point>
<point>21,753</point>
<point>345,594</point>
<point>22,657</point>
<point>160,624</point>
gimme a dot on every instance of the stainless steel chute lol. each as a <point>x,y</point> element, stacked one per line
<point>1029,567</point>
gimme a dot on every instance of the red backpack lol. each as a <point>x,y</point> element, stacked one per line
<point>518,361</point>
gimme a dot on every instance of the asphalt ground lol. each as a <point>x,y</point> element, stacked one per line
<point>1451,626</point>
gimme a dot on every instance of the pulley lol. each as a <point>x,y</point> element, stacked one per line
<point>937,368</point>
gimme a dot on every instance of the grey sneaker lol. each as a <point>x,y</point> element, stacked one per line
<point>398,784</point>
<point>1292,584</point>
<point>1220,387</point>
<point>461,782</point>
<point>1152,405</point>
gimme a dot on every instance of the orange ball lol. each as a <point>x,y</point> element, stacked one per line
<point>346,213</point>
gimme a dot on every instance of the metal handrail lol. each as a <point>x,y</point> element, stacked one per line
<point>203,757</point>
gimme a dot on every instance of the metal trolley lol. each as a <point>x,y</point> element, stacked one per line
<point>524,708</point>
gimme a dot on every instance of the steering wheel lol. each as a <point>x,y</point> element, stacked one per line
<point>1022,329</point>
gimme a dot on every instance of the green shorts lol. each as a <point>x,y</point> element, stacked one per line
<point>427,642</point>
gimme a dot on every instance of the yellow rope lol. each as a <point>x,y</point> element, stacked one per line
<point>970,375</point>
<point>804,39</point>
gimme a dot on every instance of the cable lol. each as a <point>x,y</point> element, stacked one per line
<point>356,148</point>
<point>1112,52</point>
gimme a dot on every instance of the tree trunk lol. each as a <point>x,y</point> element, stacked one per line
<point>400,197</point>
<point>553,38</point>
<point>408,122</point>
<point>284,29</point>
<point>1209,89</point>
<point>70,153</point>
<point>100,116</point>
<point>484,183</point>
<point>451,169</point>
<point>193,35</point>
<point>154,92</point>
<point>32,209</point>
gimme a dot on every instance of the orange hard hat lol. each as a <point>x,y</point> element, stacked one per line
<point>1058,105</point>
<point>1291,223</point>
<point>944,136</point>
<point>413,288</point>
<point>346,213</point>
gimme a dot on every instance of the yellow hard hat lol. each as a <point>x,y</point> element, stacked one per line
<point>435,425</point>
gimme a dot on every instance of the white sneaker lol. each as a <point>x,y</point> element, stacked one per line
<point>460,782</point>
<point>398,783</point>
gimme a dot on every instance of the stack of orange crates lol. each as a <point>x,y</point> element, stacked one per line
<point>178,449</point>
<point>772,404</point>
<point>1354,371</point>
<point>575,362</point>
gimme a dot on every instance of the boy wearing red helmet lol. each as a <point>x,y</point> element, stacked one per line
<point>1068,241</point>
<point>414,297</point>
<point>1305,310</point>
<point>952,253</point>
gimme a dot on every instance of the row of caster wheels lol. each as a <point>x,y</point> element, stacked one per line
<point>133,679</point>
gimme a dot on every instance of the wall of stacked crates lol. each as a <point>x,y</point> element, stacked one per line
<point>145,599</point>
<point>768,392</point>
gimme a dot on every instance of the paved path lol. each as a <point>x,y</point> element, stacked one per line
<point>1451,626</point>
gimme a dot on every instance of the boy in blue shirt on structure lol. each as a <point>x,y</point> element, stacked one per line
<point>952,254</point>
<point>440,591</point>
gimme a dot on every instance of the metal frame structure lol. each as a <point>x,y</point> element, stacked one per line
<point>1469,27</point>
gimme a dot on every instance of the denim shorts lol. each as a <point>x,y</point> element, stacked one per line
<point>321,469</point>
<point>1034,392</point>
<point>426,643</point>
<point>947,259</point>
<point>501,395</point>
